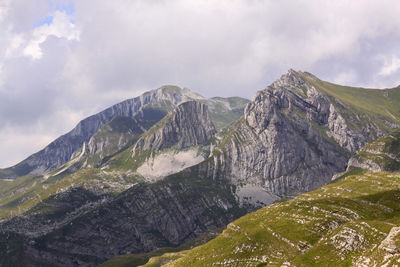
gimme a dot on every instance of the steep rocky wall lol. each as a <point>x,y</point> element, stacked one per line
<point>292,139</point>
<point>188,125</point>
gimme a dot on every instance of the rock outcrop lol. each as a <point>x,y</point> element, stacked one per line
<point>188,125</point>
<point>383,155</point>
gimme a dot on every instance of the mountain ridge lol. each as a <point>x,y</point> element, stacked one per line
<point>60,150</point>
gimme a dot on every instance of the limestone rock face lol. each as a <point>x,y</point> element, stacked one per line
<point>188,125</point>
<point>293,139</point>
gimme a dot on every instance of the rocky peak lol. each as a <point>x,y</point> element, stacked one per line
<point>293,139</point>
<point>294,96</point>
<point>188,125</point>
<point>174,94</point>
<point>291,78</point>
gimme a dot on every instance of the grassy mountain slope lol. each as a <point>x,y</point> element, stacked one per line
<point>19,196</point>
<point>371,104</point>
<point>381,155</point>
<point>118,134</point>
<point>340,224</point>
<point>224,111</point>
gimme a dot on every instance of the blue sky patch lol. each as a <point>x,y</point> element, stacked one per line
<point>67,6</point>
<point>47,20</point>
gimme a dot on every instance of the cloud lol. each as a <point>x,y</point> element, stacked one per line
<point>60,26</point>
<point>391,66</point>
<point>74,57</point>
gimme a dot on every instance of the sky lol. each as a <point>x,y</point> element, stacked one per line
<point>63,60</point>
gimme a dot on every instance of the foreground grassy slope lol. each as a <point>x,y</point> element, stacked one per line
<point>341,224</point>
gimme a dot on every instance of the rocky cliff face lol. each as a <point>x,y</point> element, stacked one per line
<point>188,125</point>
<point>280,145</point>
<point>294,137</point>
<point>383,155</point>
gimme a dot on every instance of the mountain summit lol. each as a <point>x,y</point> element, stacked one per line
<point>149,107</point>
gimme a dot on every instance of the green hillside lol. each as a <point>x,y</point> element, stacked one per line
<point>20,195</point>
<point>372,104</point>
<point>224,111</point>
<point>341,224</point>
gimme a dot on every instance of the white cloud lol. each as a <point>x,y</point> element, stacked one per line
<point>390,66</point>
<point>16,42</point>
<point>60,27</point>
<point>18,145</point>
<point>347,77</point>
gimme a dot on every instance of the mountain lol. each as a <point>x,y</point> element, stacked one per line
<point>297,133</point>
<point>163,177</point>
<point>294,136</point>
<point>145,109</point>
<point>352,222</point>
<point>180,140</point>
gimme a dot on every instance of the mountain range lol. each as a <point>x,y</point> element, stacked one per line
<point>170,167</point>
